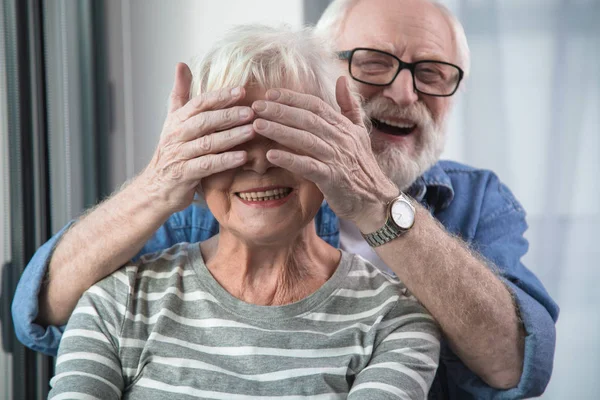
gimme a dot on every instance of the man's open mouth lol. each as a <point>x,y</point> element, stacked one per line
<point>393,128</point>
<point>269,194</point>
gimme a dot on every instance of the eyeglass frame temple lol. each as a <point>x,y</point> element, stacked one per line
<point>348,54</point>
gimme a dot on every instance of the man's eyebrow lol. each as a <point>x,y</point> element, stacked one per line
<point>385,46</point>
<point>433,56</point>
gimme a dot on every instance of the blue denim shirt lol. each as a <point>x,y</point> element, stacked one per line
<point>470,203</point>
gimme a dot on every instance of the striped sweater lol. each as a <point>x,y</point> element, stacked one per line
<point>163,328</point>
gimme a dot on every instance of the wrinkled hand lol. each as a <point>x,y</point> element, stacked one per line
<point>331,149</point>
<point>194,141</point>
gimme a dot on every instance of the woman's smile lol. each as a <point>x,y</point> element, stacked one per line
<point>265,197</point>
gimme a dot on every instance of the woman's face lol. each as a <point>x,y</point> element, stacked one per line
<point>260,202</point>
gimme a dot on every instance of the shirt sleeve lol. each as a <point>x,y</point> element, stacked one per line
<point>405,356</point>
<point>25,302</point>
<point>499,239</point>
<point>88,364</point>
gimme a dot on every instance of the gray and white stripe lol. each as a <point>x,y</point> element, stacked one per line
<point>164,329</point>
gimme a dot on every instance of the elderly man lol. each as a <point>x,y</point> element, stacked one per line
<point>453,234</point>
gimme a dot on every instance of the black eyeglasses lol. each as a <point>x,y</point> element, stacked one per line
<point>379,68</point>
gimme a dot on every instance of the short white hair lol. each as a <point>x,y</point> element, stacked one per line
<point>331,22</point>
<point>269,57</point>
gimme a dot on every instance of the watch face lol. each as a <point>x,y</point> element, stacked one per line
<point>403,214</point>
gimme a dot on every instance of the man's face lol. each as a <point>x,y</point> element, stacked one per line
<point>408,127</point>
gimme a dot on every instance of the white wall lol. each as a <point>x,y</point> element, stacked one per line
<point>146,39</point>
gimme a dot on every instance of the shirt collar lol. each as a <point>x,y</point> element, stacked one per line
<point>433,189</point>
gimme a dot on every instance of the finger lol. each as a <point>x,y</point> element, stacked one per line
<point>306,102</point>
<point>214,100</point>
<point>305,166</point>
<point>217,142</point>
<point>294,139</point>
<point>213,121</point>
<point>349,105</point>
<point>180,94</point>
<point>293,117</point>
<point>204,166</point>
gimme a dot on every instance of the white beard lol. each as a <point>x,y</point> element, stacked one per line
<point>395,159</point>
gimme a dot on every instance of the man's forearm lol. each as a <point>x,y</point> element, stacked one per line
<point>95,246</point>
<point>473,307</point>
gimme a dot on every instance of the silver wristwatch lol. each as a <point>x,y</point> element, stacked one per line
<point>400,218</point>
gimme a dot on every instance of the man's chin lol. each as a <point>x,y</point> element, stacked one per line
<point>403,158</point>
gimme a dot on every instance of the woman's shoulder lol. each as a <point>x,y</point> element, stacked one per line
<point>158,271</point>
<point>176,253</point>
<point>153,271</point>
<point>367,285</point>
<point>362,274</point>
<point>372,287</point>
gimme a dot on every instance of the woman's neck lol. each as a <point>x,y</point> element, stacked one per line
<point>270,274</point>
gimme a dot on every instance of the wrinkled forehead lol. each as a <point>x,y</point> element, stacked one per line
<point>410,29</point>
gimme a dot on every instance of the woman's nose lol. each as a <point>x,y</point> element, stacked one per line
<point>257,155</point>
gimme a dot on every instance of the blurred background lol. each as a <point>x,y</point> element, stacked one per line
<point>83,94</point>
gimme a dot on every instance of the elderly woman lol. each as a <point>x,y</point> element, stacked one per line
<point>265,309</point>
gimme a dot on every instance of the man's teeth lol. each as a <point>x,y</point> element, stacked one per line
<point>274,194</point>
<point>397,124</point>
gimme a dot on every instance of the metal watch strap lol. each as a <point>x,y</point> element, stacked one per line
<point>386,234</point>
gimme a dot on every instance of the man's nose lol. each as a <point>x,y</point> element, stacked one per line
<point>402,90</point>
<point>257,155</point>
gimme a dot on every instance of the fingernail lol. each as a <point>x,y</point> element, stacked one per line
<point>238,156</point>
<point>259,106</point>
<point>235,92</point>
<point>273,94</point>
<point>244,113</point>
<point>261,124</point>
<point>246,130</point>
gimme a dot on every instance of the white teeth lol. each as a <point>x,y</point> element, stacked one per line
<point>397,124</point>
<point>273,194</point>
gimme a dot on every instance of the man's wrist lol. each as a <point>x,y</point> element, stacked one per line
<point>145,189</point>
<point>374,217</point>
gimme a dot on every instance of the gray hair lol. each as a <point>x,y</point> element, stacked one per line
<point>331,22</point>
<point>269,57</point>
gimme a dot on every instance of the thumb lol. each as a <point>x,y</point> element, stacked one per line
<point>180,94</point>
<point>349,106</point>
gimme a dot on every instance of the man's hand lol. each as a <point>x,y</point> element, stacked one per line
<point>331,149</point>
<point>113,232</point>
<point>194,141</point>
